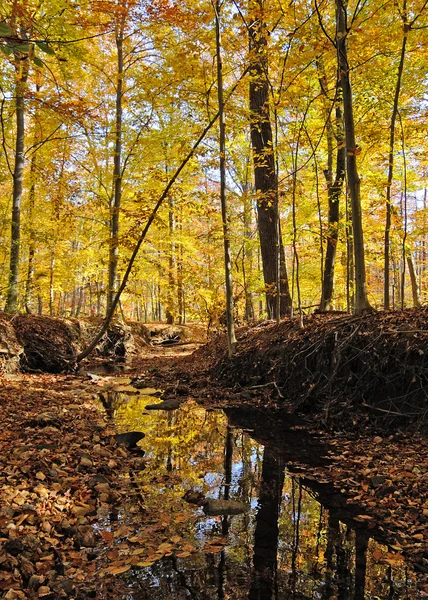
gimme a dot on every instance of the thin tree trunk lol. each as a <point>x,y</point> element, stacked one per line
<point>171,261</point>
<point>414,283</point>
<point>334,188</point>
<point>247,257</point>
<point>361,300</point>
<point>386,279</point>
<point>180,288</point>
<point>117,176</point>
<point>51,283</point>
<point>231,341</point>
<point>32,201</point>
<point>15,246</point>
<point>265,176</point>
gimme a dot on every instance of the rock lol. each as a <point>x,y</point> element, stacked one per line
<point>129,439</point>
<point>139,464</point>
<point>193,497</point>
<point>213,507</point>
<point>44,590</point>
<point>385,490</point>
<point>14,547</point>
<point>66,585</point>
<point>97,479</point>
<point>377,480</point>
<point>170,404</point>
<point>85,462</point>
<point>35,582</point>
<point>85,536</point>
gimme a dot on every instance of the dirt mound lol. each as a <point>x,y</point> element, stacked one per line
<point>345,368</point>
<point>11,350</point>
<point>49,344</point>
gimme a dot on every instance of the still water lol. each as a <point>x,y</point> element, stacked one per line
<point>297,540</point>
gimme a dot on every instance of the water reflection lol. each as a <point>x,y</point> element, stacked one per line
<point>298,541</point>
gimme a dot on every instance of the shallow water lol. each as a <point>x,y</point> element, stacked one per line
<point>298,540</point>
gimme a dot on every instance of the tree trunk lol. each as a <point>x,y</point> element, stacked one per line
<point>414,284</point>
<point>171,261</point>
<point>334,188</point>
<point>247,257</point>
<point>394,114</point>
<point>231,341</point>
<point>51,283</point>
<point>117,177</point>
<point>15,246</point>
<point>32,200</point>
<point>265,176</point>
<point>180,288</point>
<point>361,300</point>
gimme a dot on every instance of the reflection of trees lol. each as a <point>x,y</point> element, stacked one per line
<point>299,551</point>
<point>228,465</point>
<point>361,543</point>
<point>263,584</point>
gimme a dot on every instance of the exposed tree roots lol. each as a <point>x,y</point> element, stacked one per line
<point>348,369</point>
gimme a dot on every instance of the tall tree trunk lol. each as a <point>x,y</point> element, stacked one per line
<point>361,300</point>
<point>171,261</point>
<point>386,278</point>
<point>265,175</point>
<point>15,245</point>
<point>334,187</point>
<point>51,283</point>
<point>231,341</point>
<point>117,177</point>
<point>180,287</point>
<point>247,256</point>
<point>32,202</point>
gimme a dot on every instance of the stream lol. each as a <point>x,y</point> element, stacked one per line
<point>296,539</point>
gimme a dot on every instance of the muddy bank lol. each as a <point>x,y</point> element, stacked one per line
<point>37,343</point>
<point>346,370</point>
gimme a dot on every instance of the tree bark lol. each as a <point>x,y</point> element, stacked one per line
<point>361,300</point>
<point>171,278</point>
<point>413,282</point>
<point>265,176</point>
<point>386,278</point>
<point>334,188</point>
<point>15,246</point>
<point>231,341</point>
<point>117,176</point>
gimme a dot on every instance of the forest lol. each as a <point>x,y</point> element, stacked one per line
<point>213,300</point>
<point>290,136</point>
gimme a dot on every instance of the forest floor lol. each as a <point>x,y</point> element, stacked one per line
<point>66,483</point>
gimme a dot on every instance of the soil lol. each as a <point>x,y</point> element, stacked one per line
<point>357,384</point>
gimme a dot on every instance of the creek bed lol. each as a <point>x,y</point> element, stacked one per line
<point>298,539</point>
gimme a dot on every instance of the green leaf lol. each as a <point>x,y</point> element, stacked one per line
<point>5,30</point>
<point>45,48</point>
<point>6,50</point>
<point>22,47</point>
<point>38,62</point>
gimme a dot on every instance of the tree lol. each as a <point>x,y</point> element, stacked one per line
<point>231,341</point>
<point>265,175</point>
<point>21,64</point>
<point>352,151</point>
<point>334,186</point>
